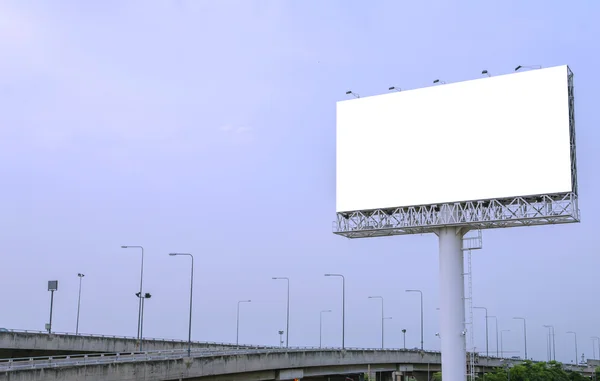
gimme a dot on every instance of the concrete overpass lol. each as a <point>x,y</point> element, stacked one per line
<point>232,365</point>
<point>17,343</point>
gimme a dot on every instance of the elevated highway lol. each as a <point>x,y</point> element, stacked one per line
<point>232,365</point>
<point>21,343</point>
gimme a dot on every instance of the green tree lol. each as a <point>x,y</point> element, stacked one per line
<point>529,371</point>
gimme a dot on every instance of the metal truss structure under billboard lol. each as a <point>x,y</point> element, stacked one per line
<point>559,208</point>
<point>489,214</point>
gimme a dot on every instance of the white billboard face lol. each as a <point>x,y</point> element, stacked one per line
<point>490,138</point>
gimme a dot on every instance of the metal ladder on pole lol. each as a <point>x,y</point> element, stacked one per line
<point>474,242</point>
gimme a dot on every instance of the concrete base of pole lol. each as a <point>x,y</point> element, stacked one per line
<point>452,305</point>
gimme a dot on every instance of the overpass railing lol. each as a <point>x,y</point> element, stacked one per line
<point>173,354</point>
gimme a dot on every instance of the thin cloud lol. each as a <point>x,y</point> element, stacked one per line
<point>238,134</point>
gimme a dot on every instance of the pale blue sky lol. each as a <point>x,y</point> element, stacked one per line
<point>209,127</point>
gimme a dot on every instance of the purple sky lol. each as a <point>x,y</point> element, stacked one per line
<point>209,127</point>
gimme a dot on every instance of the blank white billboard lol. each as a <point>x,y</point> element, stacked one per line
<point>497,137</point>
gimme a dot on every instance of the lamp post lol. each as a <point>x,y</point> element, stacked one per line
<point>597,338</point>
<point>496,321</point>
<point>524,332</point>
<point>487,348</point>
<point>549,343</point>
<point>502,342</point>
<point>404,337</point>
<point>80,275</point>
<point>287,329</point>
<point>191,299</point>
<point>387,318</point>
<point>321,328</point>
<point>237,334</point>
<point>380,297</point>
<point>142,297</point>
<point>552,342</point>
<point>343,305</point>
<point>52,286</point>
<point>141,286</point>
<point>575,336</point>
<point>421,293</point>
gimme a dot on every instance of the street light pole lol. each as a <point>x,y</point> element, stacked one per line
<point>496,321</point>
<point>343,306</point>
<point>80,275</point>
<point>487,349</point>
<point>141,286</point>
<point>382,334</point>
<point>321,328</point>
<point>287,330</point>
<point>191,299</point>
<point>404,337</point>
<point>420,292</point>
<point>142,297</point>
<point>524,332</point>
<point>575,336</point>
<point>502,342</point>
<point>553,344</point>
<point>551,341</point>
<point>597,338</point>
<point>237,335</point>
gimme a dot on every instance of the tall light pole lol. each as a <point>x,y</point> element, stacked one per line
<point>575,336</point>
<point>496,321</point>
<point>142,297</point>
<point>502,342</point>
<point>80,275</point>
<point>237,334</point>
<point>552,340</point>
<point>141,286</point>
<point>524,332</point>
<point>597,338</point>
<point>382,316</point>
<point>549,343</point>
<point>343,305</point>
<point>287,329</point>
<point>191,299</point>
<point>321,328</point>
<point>593,348</point>
<point>487,348</point>
<point>421,293</point>
<point>404,337</point>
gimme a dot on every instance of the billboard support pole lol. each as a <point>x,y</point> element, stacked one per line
<point>452,304</point>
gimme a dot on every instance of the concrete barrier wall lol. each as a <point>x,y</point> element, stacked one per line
<point>26,344</point>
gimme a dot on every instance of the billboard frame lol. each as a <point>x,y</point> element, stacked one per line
<point>542,209</point>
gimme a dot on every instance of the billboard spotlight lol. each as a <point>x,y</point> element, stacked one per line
<point>395,88</point>
<point>528,67</point>
<point>438,81</point>
<point>485,72</point>
<point>353,93</point>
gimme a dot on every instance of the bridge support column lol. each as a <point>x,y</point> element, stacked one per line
<point>452,304</point>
